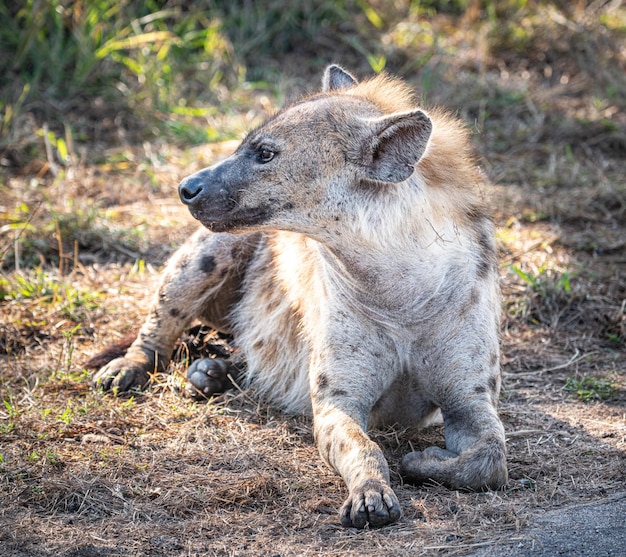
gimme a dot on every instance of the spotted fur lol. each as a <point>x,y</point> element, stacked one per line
<point>348,249</point>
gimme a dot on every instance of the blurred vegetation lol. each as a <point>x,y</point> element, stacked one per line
<point>89,68</point>
<point>147,66</point>
<point>87,81</point>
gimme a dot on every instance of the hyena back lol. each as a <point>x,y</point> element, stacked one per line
<point>347,248</point>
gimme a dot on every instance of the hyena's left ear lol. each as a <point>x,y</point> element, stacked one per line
<point>336,78</point>
<point>393,145</point>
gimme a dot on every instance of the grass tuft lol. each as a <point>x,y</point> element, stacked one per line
<point>591,388</point>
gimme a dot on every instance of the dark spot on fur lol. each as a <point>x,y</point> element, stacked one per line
<point>493,383</point>
<point>338,392</point>
<point>494,358</point>
<point>287,206</point>
<point>322,381</point>
<point>471,302</point>
<point>474,296</point>
<point>483,268</point>
<point>480,389</point>
<point>328,446</point>
<point>207,264</point>
<point>487,257</point>
<point>174,312</point>
<point>453,416</point>
<point>476,213</point>
<point>258,344</point>
<point>342,447</point>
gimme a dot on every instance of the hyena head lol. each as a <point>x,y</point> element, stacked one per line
<point>299,169</point>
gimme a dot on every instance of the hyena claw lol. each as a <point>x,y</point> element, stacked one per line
<point>128,372</point>
<point>373,503</point>
<point>120,375</point>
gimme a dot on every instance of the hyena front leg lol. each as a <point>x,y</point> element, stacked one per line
<point>343,396</point>
<point>474,457</point>
<point>201,281</point>
<point>343,443</point>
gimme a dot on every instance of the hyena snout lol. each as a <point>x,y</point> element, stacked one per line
<point>213,196</point>
<point>190,189</point>
<point>204,188</point>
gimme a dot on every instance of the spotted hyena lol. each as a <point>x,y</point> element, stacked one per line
<point>347,249</point>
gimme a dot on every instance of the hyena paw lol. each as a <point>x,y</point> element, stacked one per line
<point>122,374</point>
<point>208,377</point>
<point>417,467</point>
<point>480,468</point>
<point>373,503</point>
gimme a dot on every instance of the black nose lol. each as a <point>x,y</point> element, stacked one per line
<point>190,189</point>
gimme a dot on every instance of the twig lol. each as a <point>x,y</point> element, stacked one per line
<point>522,432</point>
<point>575,358</point>
<point>18,236</point>
<point>527,249</point>
<point>465,545</point>
<point>242,392</point>
<point>16,248</point>
<point>608,424</point>
<point>60,248</point>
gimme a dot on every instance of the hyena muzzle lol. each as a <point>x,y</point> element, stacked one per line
<point>347,248</point>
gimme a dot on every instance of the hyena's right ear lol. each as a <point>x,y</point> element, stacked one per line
<point>336,78</point>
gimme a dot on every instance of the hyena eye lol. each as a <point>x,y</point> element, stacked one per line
<point>265,155</point>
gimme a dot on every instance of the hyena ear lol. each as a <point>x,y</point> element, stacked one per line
<point>394,145</point>
<point>336,78</point>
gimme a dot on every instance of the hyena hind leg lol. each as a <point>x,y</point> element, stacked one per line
<point>202,280</point>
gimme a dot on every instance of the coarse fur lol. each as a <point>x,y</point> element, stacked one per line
<point>348,249</point>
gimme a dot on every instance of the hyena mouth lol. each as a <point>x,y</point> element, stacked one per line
<point>233,220</point>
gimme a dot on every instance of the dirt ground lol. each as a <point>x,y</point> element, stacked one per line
<point>86,474</point>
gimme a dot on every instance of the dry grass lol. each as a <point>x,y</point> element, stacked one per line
<point>158,474</point>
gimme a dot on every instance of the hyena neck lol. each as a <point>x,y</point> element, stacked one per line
<point>421,230</point>
<point>400,295</point>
